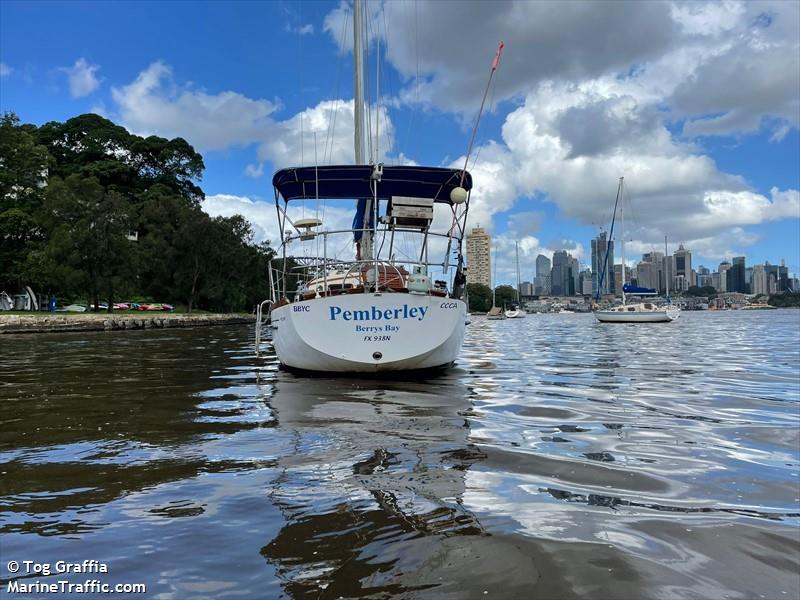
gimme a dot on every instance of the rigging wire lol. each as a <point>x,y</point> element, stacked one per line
<point>367,85</point>
<point>491,109</point>
<point>411,118</point>
<point>331,135</point>
<point>388,75</point>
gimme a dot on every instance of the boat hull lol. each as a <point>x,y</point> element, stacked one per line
<point>657,316</point>
<point>368,333</point>
<point>515,314</point>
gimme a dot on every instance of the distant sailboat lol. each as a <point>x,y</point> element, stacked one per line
<point>642,312</point>
<point>516,311</point>
<point>495,313</point>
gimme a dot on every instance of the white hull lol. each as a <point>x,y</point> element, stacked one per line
<point>635,316</point>
<point>515,314</point>
<point>351,332</point>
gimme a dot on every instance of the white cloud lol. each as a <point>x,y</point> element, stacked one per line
<point>307,29</point>
<point>326,129</point>
<point>82,78</point>
<point>737,62</point>
<point>707,18</point>
<point>673,188</point>
<point>262,215</point>
<point>5,70</point>
<point>254,171</point>
<point>155,104</point>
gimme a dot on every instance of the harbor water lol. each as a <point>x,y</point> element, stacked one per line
<point>560,458</point>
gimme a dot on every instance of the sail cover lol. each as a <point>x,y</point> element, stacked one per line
<point>358,220</point>
<point>355,182</point>
<point>639,291</point>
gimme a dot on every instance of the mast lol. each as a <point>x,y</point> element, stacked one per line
<point>608,246</point>
<point>494,279</point>
<point>364,207</point>
<point>358,82</point>
<point>666,264</point>
<point>516,248</point>
<point>622,249</point>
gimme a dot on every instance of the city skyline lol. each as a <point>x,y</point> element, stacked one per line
<point>651,270</point>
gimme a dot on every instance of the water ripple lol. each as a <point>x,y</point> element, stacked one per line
<point>559,458</point>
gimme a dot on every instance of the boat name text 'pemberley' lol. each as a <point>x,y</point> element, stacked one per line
<point>377,314</point>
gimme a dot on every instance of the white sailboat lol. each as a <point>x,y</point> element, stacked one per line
<point>376,312</point>
<point>495,313</point>
<point>516,311</point>
<point>641,312</point>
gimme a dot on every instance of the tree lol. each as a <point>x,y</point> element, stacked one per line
<point>706,290</point>
<point>87,228</point>
<point>71,192</point>
<point>505,295</point>
<point>23,177</point>
<point>785,300</point>
<point>480,297</point>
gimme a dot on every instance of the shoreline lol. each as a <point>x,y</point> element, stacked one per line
<point>57,323</point>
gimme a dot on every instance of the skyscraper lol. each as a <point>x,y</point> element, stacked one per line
<point>542,280</point>
<point>724,266</point>
<point>758,281</point>
<point>655,274</point>
<point>574,276</point>
<point>781,275</point>
<point>560,274</point>
<point>703,277</point>
<point>479,261</point>
<point>683,267</point>
<point>600,245</point>
<point>735,276</point>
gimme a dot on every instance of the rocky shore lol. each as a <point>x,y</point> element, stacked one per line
<point>58,322</point>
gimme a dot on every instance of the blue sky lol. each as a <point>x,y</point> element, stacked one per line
<point>695,104</point>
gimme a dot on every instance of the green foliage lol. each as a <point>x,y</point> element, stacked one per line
<point>480,297</point>
<point>706,290</point>
<point>785,300</point>
<point>505,296</point>
<point>70,193</point>
<point>23,177</point>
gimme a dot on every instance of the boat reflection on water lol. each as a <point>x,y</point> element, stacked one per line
<point>372,498</point>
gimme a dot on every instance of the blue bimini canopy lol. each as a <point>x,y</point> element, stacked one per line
<point>354,181</point>
<point>638,291</point>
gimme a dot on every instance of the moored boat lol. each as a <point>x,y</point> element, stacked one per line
<point>641,312</point>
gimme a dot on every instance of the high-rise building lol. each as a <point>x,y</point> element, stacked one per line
<point>703,277</point>
<point>585,282</point>
<point>648,275</point>
<point>526,289</point>
<point>758,281</point>
<point>575,274</point>
<point>560,275</point>
<point>735,276</point>
<point>781,275</point>
<point>724,267</point>
<point>542,279</point>
<point>618,283</point>
<point>668,273</point>
<point>479,260</point>
<point>600,246</point>
<point>683,267</point>
<point>652,273</point>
